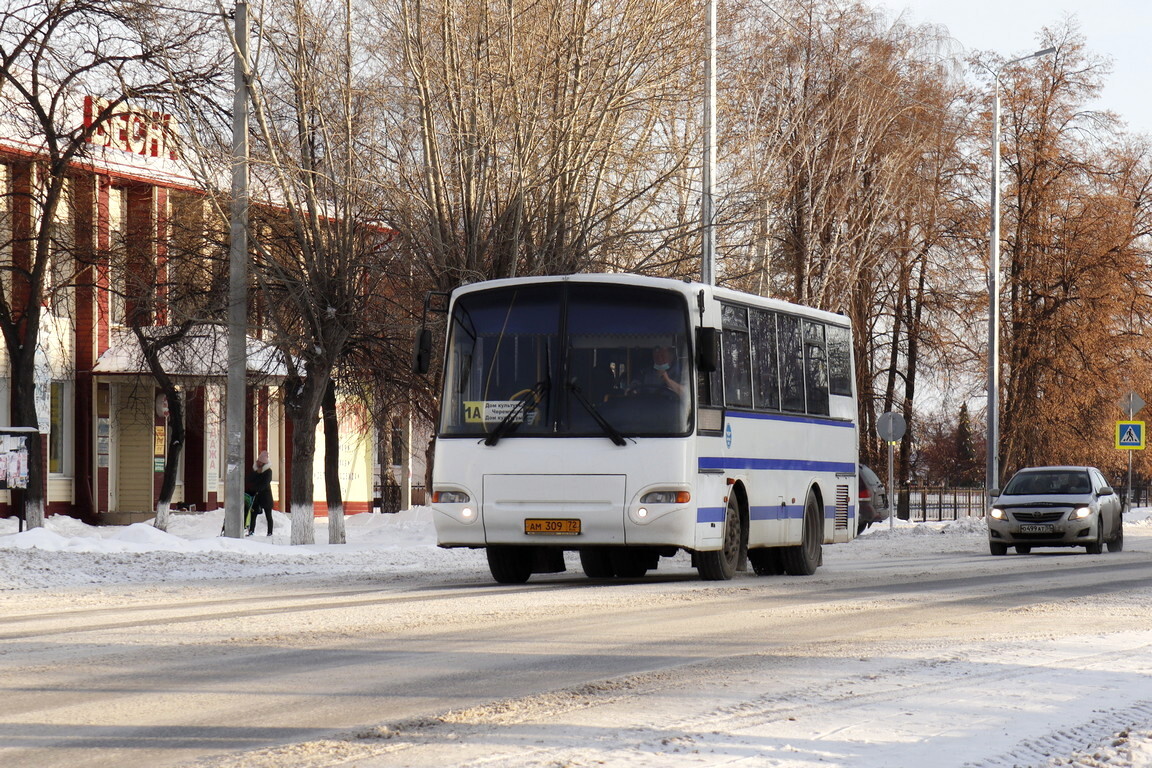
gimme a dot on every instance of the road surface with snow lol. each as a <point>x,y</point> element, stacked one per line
<point>910,646</point>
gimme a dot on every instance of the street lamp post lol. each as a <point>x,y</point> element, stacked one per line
<point>708,233</point>
<point>992,480</point>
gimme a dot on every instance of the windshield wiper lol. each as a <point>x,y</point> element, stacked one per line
<point>611,431</point>
<point>510,423</point>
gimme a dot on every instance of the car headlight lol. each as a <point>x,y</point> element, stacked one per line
<point>450,497</point>
<point>998,513</point>
<point>1081,512</point>
<point>666,497</point>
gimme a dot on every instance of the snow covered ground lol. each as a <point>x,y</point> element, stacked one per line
<point>988,703</point>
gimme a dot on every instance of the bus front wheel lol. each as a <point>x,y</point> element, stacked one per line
<point>510,565</point>
<point>720,564</point>
<point>803,559</point>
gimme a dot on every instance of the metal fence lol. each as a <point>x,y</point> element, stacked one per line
<point>925,503</point>
<point>922,504</point>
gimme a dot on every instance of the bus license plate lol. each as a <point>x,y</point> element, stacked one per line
<point>564,527</point>
<point>1036,529</point>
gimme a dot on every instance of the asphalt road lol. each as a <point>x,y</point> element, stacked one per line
<point>221,672</point>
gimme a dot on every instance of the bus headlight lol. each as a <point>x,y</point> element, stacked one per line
<point>666,497</point>
<point>456,505</point>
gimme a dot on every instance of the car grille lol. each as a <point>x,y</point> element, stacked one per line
<point>1037,516</point>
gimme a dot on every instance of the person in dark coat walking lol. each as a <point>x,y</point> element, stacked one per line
<point>260,483</point>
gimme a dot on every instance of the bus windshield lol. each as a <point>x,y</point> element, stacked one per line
<point>567,359</point>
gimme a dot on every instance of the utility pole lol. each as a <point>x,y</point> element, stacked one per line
<point>237,287</point>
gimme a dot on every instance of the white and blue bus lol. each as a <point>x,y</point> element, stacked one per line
<point>627,418</point>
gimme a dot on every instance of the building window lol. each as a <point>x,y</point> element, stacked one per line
<point>118,253</point>
<point>60,429</point>
<point>61,256</point>
<point>6,228</point>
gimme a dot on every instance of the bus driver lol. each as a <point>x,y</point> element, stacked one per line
<point>661,374</point>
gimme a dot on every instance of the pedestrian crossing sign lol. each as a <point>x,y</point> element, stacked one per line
<point>1130,435</point>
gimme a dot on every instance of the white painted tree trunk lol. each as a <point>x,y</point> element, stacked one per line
<point>162,514</point>
<point>33,513</point>
<point>336,532</point>
<point>303,527</point>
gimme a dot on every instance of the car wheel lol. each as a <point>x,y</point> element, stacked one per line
<point>1023,549</point>
<point>997,548</point>
<point>1116,543</point>
<point>1097,546</point>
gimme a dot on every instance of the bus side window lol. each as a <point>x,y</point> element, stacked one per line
<point>791,363</point>
<point>839,360</point>
<point>765,368</point>
<point>737,357</point>
<point>815,369</point>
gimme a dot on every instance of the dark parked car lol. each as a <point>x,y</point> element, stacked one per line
<point>1056,507</point>
<point>873,499</point>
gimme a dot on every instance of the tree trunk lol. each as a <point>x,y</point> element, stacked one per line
<point>24,415</point>
<point>302,406</point>
<point>172,459</point>
<point>336,534</point>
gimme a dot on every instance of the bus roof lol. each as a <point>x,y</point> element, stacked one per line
<point>690,289</point>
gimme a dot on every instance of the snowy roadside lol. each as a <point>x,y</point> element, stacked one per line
<point>1076,699</point>
<point>67,552</point>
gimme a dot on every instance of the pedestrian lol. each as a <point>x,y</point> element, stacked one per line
<point>260,484</point>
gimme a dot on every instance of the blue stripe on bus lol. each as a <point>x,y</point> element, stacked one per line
<point>783,417</point>
<point>710,514</point>
<point>775,512</point>
<point>735,462</point>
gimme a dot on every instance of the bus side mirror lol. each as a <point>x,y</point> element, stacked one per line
<point>423,358</point>
<point>707,349</point>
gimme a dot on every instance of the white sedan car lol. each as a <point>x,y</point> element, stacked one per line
<point>1056,507</point>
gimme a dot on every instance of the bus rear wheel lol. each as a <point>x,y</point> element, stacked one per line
<point>720,564</point>
<point>766,562</point>
<point>510,565</point>
<point>804,558</point>
<point>597,563</point>
<point>629,563</point>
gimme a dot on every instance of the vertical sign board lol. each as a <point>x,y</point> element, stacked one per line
<point>1130,435</point>
<point>891,427</point>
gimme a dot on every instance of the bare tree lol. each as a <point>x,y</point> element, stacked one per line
<point>540,137</point>
<point>1076,221</point>
<point>321,234</point>
<point>843,131</point>
<point>58,57</point>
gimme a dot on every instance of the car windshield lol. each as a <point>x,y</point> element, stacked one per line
<point>1054,482</point>
<point>568,359</point>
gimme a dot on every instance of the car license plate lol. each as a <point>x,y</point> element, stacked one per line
<point>1036,529</point>
<point>562,527</point>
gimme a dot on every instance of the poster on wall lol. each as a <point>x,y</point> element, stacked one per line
<point>213,414</point>
<point>13,462</point>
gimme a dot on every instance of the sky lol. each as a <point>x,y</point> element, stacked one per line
<point>1061,699</point>
<point>1118,29</point>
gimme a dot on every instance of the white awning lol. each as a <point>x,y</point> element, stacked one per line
<point>203,353</point>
